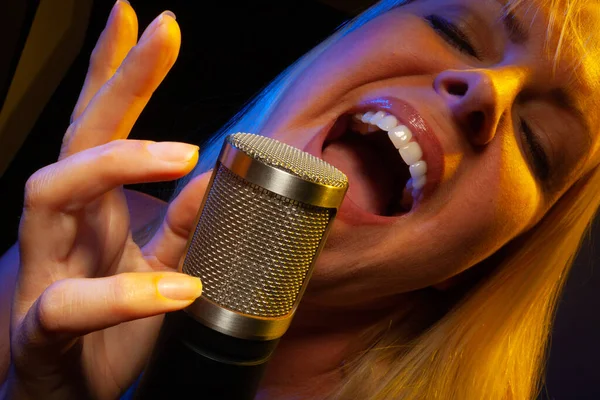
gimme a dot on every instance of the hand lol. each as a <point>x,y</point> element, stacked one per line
<point>89,301</point>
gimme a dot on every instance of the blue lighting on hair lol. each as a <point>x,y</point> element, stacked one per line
<point>256,112</point>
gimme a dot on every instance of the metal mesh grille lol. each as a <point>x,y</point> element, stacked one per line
<point>252,248</point>
<point>288,158</point>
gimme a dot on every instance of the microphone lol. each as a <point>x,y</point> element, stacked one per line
<point>261,225</point>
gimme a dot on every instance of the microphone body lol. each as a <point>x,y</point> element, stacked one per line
<point>260,228</point>
<point>195,361</point>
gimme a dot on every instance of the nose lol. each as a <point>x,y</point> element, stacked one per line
<point>474,99</point>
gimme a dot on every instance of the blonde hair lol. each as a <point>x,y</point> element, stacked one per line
<point>491,343</point>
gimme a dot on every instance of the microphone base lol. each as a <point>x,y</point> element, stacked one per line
<point>191,359</point>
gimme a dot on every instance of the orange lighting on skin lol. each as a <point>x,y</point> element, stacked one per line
<point>451,164</point>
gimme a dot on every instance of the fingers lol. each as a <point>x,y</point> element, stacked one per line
<point>119,36</point>
<point>74,307</point>
<point>167,246</point>
<point>113,110</point>
<point>70,184</point>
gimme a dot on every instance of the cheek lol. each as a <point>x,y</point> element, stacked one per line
<point>519,198</point>
<point>501,199</point>
<point>501,190</point>
<point>377,51</point>
<point>494,200</point>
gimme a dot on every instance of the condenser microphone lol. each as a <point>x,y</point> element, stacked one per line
<point>262,223</point>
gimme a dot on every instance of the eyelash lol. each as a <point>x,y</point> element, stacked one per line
<point>459,40</point>
<point>535,149</point>
<point>452,34</point>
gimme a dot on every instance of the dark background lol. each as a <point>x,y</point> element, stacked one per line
<point>230,50</point>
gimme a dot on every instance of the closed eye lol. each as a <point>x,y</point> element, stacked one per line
<point>452,34</point>
<point>536,151</point>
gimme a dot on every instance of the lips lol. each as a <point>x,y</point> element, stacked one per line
<point>374,182</point>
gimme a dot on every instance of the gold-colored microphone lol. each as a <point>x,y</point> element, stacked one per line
<point>260,228</point>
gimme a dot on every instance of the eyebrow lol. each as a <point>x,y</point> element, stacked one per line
<point>516,32</point>
<point>514,27</point>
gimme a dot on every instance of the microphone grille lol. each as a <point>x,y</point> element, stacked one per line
<point>252,248</point>
<point>288,158</point>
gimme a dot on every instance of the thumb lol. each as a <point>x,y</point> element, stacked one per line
<point>74,307</point>
<point>167,246</point>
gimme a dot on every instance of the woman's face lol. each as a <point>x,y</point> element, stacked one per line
<point>502,137</point>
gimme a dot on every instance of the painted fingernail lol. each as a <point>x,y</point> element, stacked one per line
<point>180,287</point>
<point>172,151</point>
<point>124,1</point>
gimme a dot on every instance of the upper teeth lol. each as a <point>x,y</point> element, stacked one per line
<point>401,137</point>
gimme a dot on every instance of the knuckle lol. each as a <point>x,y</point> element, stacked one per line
<point>112,85</point>
<point>49,309</point>
<point>139,94</point>
<point>112,65</point>
<point>133,93</point>
<point>73,117</point>
<point>70,132</point>
<point>116,150</point>
<point>34,189</point>
<point>100,60</point>
<point>139,146</point>
<point>70,137</point>
<point>95,56</point>
<point>111,152</point>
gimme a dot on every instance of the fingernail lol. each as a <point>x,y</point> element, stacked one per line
<point>172,151</point>
<point>117,4</point>
<point>169,13</point>
<point>113,10</point>
<point>180,287</point>
<point>155,24</point>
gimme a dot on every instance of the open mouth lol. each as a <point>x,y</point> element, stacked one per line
<point>365,147</point>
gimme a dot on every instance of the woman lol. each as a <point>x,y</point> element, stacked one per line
<point>443,290</point>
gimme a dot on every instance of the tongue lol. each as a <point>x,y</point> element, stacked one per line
<point>370,181</point>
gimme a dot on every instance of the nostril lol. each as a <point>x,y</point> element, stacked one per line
<point>476,120</point>
<point>457,88</point>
